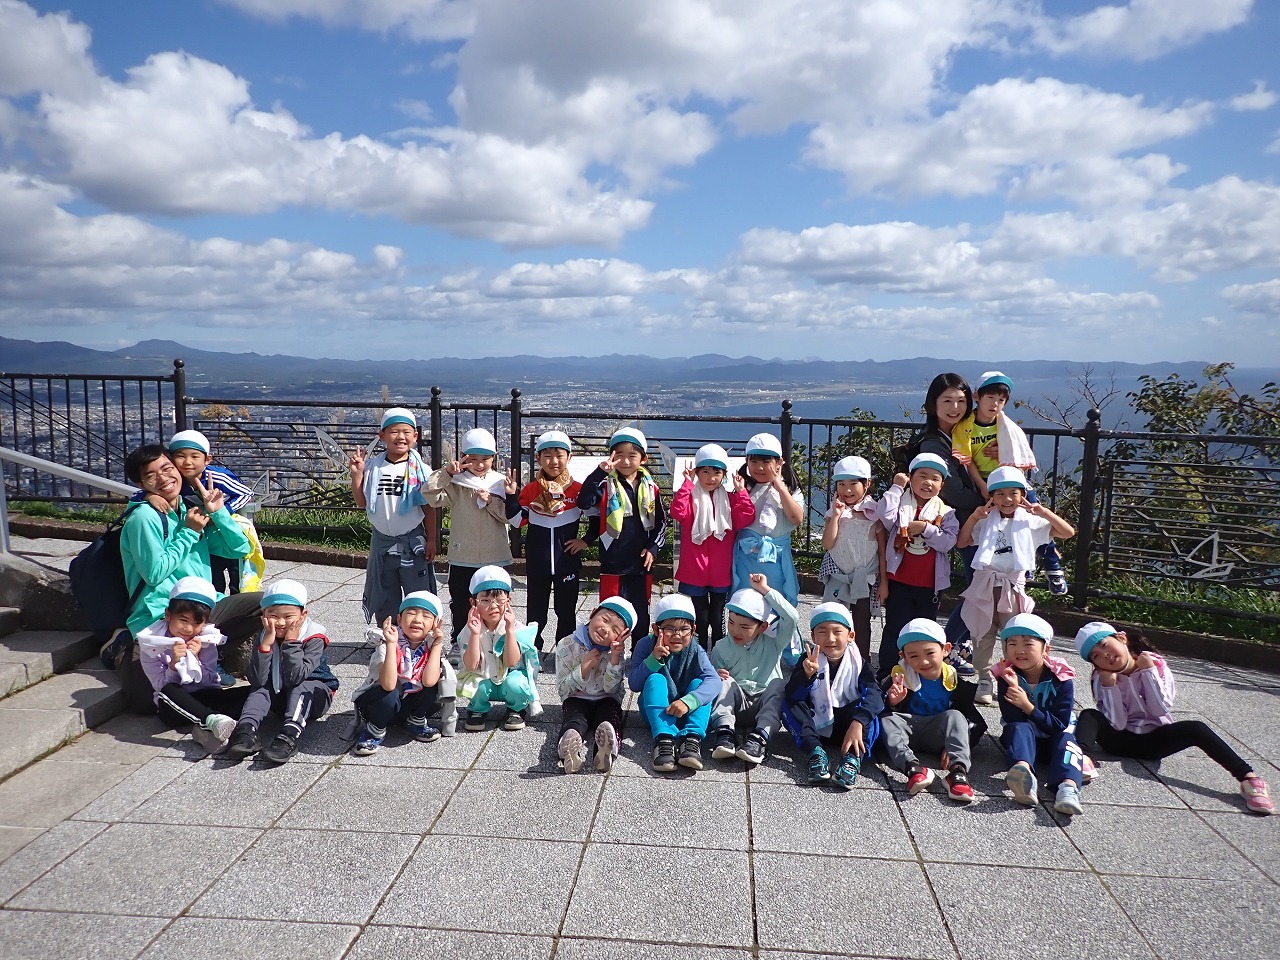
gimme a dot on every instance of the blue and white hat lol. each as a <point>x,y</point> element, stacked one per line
<point>711,455</point>
<point>629,435</point>
<point>994,378</point>
<point>553,440</point>
<point>1028,625</point>
<point>195,589</point>
<point>852,468</point>
<point>921,628</point>
<point>622,608</point>
<point>284,593</point>
<point>492,577</point>
<point>189,440</point>
<point>479,442</point>
<point>931,461</point>
<point>830,612</point>
<point>764,445</point>
<point>1002,478</point>
<point>674,606</point>
<point>748,603</point>
<point>398,415</point>
<point>1091,634</point>
<point>423,599</point>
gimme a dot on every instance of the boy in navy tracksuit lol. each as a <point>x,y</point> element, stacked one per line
<point>548,508</point>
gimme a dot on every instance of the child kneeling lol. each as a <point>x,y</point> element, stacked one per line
<point>404,675</point>
<point>589,676</point>
<point>499,654</point>
<point>288,673</point>
<point>928,707</point>
<point>832,697</point>
<point>676,683</point>
<point>1037,707</point>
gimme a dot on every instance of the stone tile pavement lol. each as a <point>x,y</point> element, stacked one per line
<point>130,843</point>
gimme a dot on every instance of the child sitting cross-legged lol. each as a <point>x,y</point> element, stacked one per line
<point>498,653</point>
<point>676,683</point>
<point>928,708</point>
<point>589,675</point>
<point>404,675</point>
<point>749,663</point>
<point>832,697</point>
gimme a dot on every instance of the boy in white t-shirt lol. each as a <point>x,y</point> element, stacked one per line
<point>1007,531</point>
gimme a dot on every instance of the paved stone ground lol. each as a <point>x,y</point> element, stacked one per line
<point>129,843</point>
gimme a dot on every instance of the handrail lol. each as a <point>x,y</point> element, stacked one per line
<point>57,470</point>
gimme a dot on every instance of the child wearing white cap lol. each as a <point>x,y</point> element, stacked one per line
<point>476,495</point>
<point>1037,710</point>
<point>677,685</point>
<point>404,675</point>
<point>590,675</point>
<point>831,699</point>
<point>547,508</point>
<point>708,516</point>
<point>764,545</point>
<point>762,628</point>
<point>633,522</point>
<point>923,530</point>
<point>1007,530</point>
<point>391,489</point>
<point>179,655</point>
<point>498,654</point>
<point>288,673</point>
<point>854,543</point>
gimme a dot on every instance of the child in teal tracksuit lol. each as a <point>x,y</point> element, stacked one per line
<point>499,657</point>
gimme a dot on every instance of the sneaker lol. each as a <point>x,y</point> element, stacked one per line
<point>724,745</point>
<point>985,696</point>
<point>753,748</point>
<point>964,668</point>
<point>1089,771</point>
<point>224,678</point>
<point>1023,784</point>
<point>606,746</point>
<point>958,788</point>
<point>214,733</point>
<point>847,772</point>
<point>244,743</point>
<point>571,751</point>
<point>819,766</point>
<point>1068,801</point>
<point>1256,796</point>
<point>691,752</point>
<point>367,744</point>
<point>918,780</point>
<point>1058,585</point>
<point>475,721</point>
<point>664,754</point>
<point>424,732</point>
<point>280,749</point>
<point>514,721</point>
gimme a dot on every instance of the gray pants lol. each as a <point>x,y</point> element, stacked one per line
<point>733,706</point>
<point>949,731</point>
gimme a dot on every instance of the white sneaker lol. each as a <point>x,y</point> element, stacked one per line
<point>571,750</point>
<point>606,746</point>
<point>985,696</point>
<point>1022,783</point>
<point>1068,801</point>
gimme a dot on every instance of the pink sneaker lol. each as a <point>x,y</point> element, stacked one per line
<point>1256,796</point>
<point>1088,771</point>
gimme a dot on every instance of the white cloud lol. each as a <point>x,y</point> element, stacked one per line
<point>1259,299</point>
<point>1259,98</point>
<point>419,19</point>
<point>1142,29</point>
<point>42,53</point>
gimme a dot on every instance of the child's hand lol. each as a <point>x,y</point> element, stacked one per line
<point>689,475</point>
<point>437,639</point>
<point>616,649</point>
<point>1015,696</point>
<point>739,483</point>
<point>355,463</point>
<point>837,510</point>
<point>575,546</point>
<point>453,467</point>
<point>984,511</point>
<point>193,646</point>
<point>810,662</point>
<point>882,590</point>
<point>1143,662</point>
<point>724,674</point>
<point>992,449</point>
<point>196,519</point>
<point>214,499</point>
<point>482,496</point>
<point>179,650</point>
<point>508,617</point>
<point>1035,509</point>
<point>268,633</point>
<point>609,464</point>
<point>474,623</point>
<point>916,527</point>
<point>897,690</point>
<point>660,648</point>
<point>513,482</point>
<point>1106,678</point>
<point>390,634</point>
<point>678,708</point>
<point>901,480</point>
<point>759,583</point>
<point>853,741</point>
<point>647,558</point>
<point>590,661</point>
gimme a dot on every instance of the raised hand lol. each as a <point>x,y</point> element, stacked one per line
<point>474,623</point>
<point>390,635</point>
<point>453,467</point>
<point>837,510</point>
<point>810,662</point>
<point>985,509</point>
<point>609,464</point>
<point>508,616</point>
<point>1015,696</point>
<point>689,475</point>
<point>355,463</point>
<point>660,648</point>
<point>901,480</point>
<point>897,690</point>
<point>268,633</point>
<point>1143,661</point>
<point>512,485</point>
<point>214,499</point>
<point>759,583</point>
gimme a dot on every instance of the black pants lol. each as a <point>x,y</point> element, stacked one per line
<point>179,707</point>
<point>1093,730</point>
<point>710,610</point>
<point>226,574</point>
<point>583,715</point>
<point>380,707</point>
<point>541,586</point>
<point>307,701</point>
<point>239,617</point>
<point>905,603</point>
<point>459,596</point>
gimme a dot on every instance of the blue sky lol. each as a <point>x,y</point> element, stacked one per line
<point>978,179</point>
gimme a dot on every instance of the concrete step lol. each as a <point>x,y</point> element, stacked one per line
<point>10,620</point>
<point>29,656</point>
<point>42,718</point>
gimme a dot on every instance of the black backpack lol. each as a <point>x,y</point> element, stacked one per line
<point>97,578</point>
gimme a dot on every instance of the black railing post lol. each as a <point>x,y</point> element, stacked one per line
<point>515,462</point>
<point>437,458</point>
<point>786,422</point>
<point>1088,509</point>
<point>179,395</point>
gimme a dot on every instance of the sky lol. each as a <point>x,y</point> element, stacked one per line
<point>877,179</point>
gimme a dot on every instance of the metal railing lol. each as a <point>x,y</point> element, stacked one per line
<point>38,465</point>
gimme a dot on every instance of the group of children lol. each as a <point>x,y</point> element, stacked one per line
<point>696,686</point>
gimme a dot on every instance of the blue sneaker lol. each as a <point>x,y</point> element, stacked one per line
<point>224,678</point>
<point>847,772</point>
<point>367,744</point>
<point>423,731</point>
<point>819,766</point>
